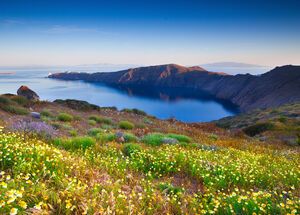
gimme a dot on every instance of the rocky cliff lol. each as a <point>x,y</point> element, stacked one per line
<point>276,87</point>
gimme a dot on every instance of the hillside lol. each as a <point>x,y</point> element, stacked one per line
<point>276,87</point>
<point>281,124</point>
<point>71,157</point>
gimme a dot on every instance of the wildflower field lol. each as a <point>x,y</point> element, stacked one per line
<point>101,176</point>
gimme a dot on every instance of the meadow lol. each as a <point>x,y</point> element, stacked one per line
<point>110,178</point>
<point>105,161</point>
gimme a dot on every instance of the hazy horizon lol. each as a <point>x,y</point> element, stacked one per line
<point>149,32</point>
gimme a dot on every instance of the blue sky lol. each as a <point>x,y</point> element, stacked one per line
<point>187,32</point>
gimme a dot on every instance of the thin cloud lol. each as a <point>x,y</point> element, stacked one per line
<point>9,22</point>
<point>60,29</point>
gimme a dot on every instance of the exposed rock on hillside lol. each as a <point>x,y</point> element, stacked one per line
<point>27,93</point>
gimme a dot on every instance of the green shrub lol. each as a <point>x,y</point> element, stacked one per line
<point>130,138</point>
<point>4,100</point>
<point>126,125</point>
<point>75,143</point>
<point>258,128</point>
<point>99,119</point>
<point>102,137</point>
<point>77,118</point>
<point>64,117</point>
<point>20,100</point>
<point>154,139</point>
<point>170,189</point>
<point>282,119</point>
<point>92,122</point>
<point>130,148</point>
<point>14,109</point>
<point>213,137</point>
<point>135,111</point>
<point>73,133</point>
<point>94,131</point>
<point>181,138</point>
<point>46,113</point>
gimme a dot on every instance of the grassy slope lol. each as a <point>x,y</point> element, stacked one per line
<point>282,124</point>
<point>210,172</point>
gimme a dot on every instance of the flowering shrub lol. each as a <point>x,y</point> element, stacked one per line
<point>90,178</point>
<point>39,128</point>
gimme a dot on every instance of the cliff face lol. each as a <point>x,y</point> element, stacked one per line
<point>279,86</point>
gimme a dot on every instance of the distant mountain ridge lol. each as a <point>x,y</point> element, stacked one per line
<point>276,87</point>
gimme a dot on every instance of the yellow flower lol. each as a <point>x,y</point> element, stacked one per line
<point>13,211</point>
<point>3,184</point>
<point>23,204</point>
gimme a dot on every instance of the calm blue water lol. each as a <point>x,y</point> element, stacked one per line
<point>162,103</point>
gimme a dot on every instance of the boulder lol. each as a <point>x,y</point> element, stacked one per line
<point>169,140</point>
<point>35,115</point>
<point>120,137</point>
<point>28,93</point>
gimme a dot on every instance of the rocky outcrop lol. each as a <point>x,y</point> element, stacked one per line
<point>28,93</point>
<point>279,86</point>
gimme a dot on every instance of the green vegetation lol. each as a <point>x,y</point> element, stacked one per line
<point>92,122</point>
<point>170,189</point>
<point>15,110</point>
<point>20,100</point>
<point>46,113</point>
<point>126,125</point>
<point>135,111</point>
<point>258,128</point>
<point>74,143</point>
<point>94,131</point>
<point>130,148</point>
<point>64,117</point>
<point>99,119</point>
<point>156,139</point>
<point>184,169</point>
<point>8,105</point>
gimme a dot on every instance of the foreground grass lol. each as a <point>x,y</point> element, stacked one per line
<point>109,178</point>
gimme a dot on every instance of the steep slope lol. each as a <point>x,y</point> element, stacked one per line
<point>279,86</point>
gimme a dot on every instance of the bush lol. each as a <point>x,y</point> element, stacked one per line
<point>64,117</point>
<point>35,128</point>
<point>105,137</point>
<point>130,148</point>
<point>20,100</point>
<point>135,111</point>
<point>15,109</point>
<point>170,189</point>
<point>75,143</point>
<point>99,119</point>
<point>4,100</point>
<point>181,138</point>
<point>213,137</point>
<point>92,122</point>
<point>94,131</point>
<point>46,113</point>
<point>73,133</point>
<point>154,139</point>
<point>258,128</point>
<point>126,125</point>
<point>282,119</point>
<point>130,138</point>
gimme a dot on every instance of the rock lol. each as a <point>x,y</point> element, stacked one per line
<point>120,137</point>
<point>290,140</point>
<point>168,140</point>
<point>35,115</point>
<point>28,93</point>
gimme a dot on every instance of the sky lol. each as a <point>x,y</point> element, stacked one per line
<point>187,32</point>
